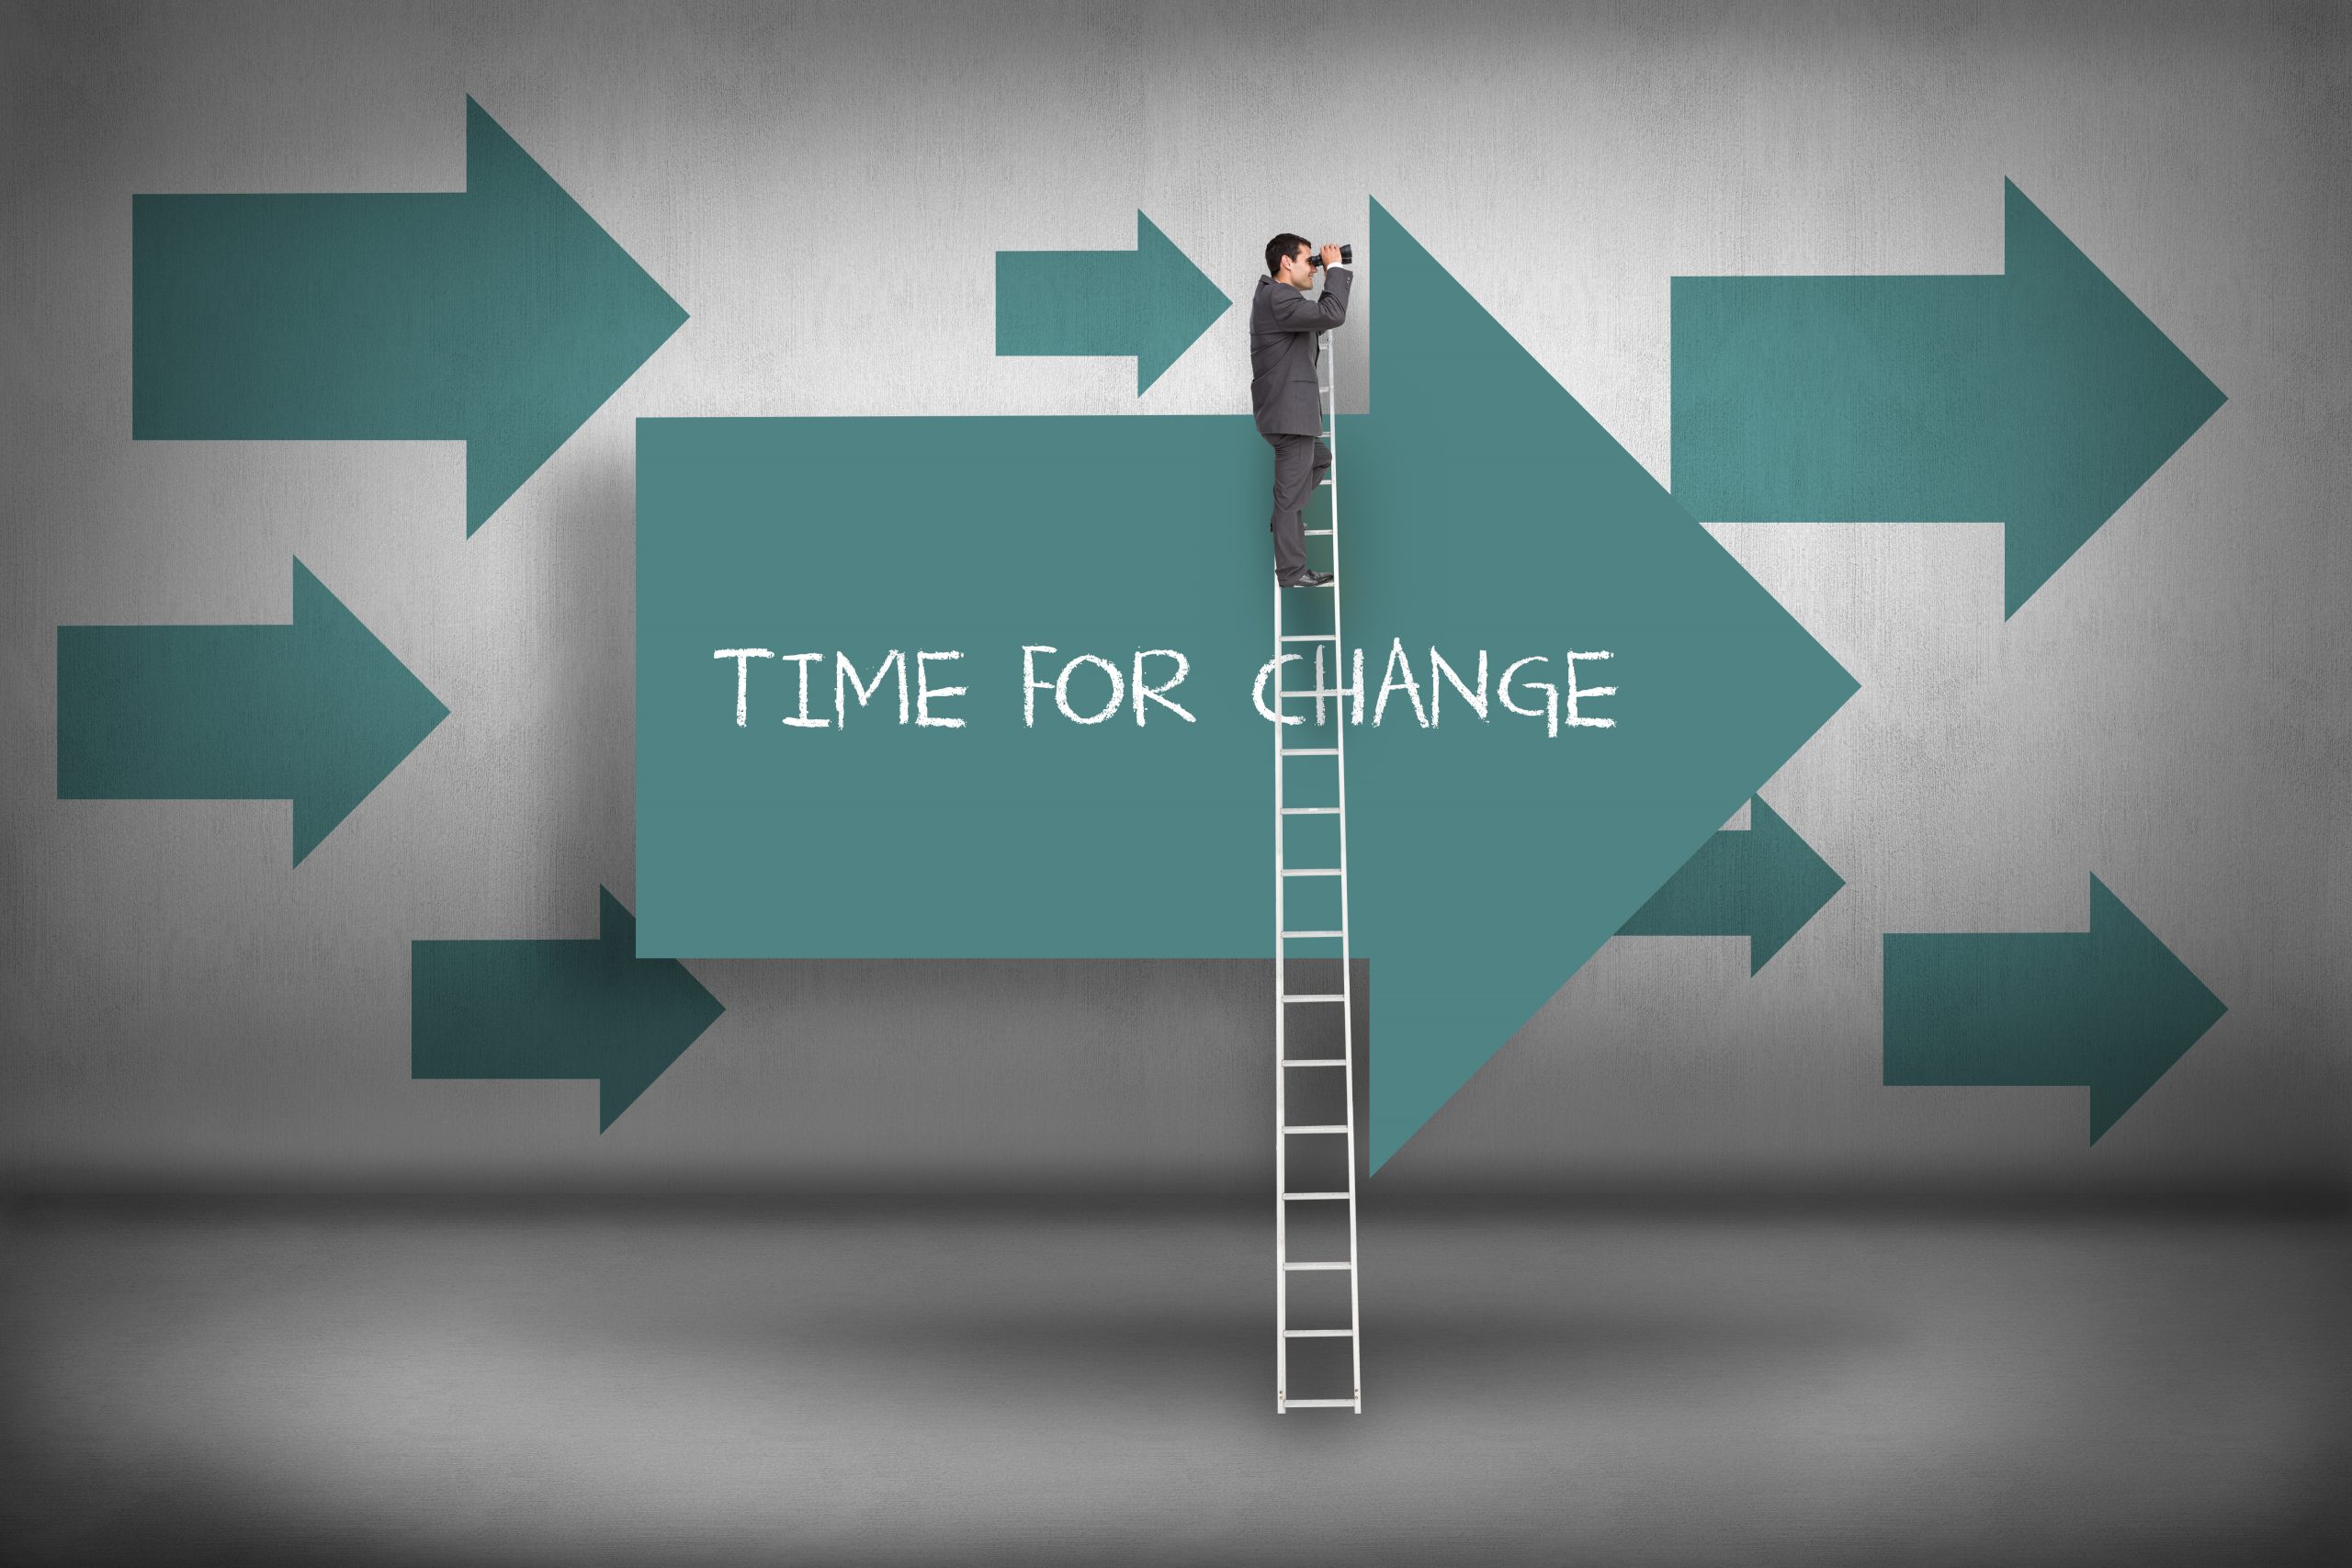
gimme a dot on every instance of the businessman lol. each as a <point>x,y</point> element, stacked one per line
<point>1282,393</point>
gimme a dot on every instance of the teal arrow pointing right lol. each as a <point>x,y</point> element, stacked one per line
<point>2110,1008</point>
<point>1150,302</point>
<point>1490,851</point>
<point>587,1008</point>
<point>2040,398</point>
<point>501,316</point>
<point>1763,883</point>
<point>316,712</point>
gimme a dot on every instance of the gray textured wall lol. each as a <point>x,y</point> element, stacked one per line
<point>818,185</point>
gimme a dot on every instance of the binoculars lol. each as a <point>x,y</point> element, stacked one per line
<point>1315,255</point>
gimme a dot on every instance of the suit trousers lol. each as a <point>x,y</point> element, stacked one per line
<point>1300,463</point>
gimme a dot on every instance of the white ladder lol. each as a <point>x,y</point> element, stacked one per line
<point>1334,804</point>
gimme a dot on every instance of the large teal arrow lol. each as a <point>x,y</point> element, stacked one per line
<point>587,1008</point>
<point>501,316</point>
<point>1150,302</point>
<point>1482,508</point>
<point>316,712</point>
<point>2040,398</point>
<point>1763,883</point>
<point>2110,1008</point>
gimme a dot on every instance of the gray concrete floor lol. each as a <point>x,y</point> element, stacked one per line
<point>677,1381</point>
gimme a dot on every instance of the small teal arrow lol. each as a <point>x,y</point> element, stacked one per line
<point>1150,302</point>
<point>588,1009</point>
<point>501,316</point>
<point>316,712</point>
<point>2110,1008</point>
<point>1764,884</point>
<point>2041,399</point>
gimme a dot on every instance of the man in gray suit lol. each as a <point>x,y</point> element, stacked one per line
<point>1282,326</point>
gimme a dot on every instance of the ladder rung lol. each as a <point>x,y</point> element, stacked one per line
<point>1312,871</point>
<point>1318,997</point>
<point>1318,1404</point>
<point>1295,1268</point>
<point>1310,751</point>
<point>1303,1197</point>
<point>1311,636</point>
<point>1315,1061</point>
<point>1310,811</point>
<point>1298,935</point>
<point>1320,533</point>
<point>1318,1334</point>
<point>1323,482</point>
<point>1319,1127</point>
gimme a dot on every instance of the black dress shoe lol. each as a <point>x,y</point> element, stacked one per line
<point>1305,579</point>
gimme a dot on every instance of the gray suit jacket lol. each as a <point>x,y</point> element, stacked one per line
<point>1282,324</point>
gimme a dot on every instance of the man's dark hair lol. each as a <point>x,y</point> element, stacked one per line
<point>1278,247</point>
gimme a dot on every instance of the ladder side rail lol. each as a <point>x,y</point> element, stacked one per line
<point>1346,968</point>
<point>1282,1049</point>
